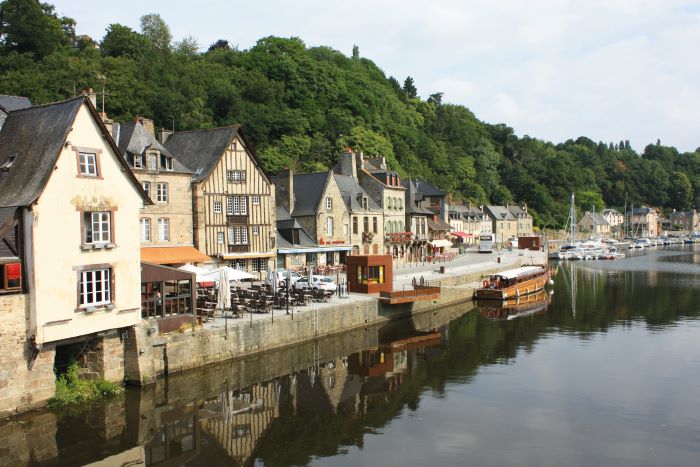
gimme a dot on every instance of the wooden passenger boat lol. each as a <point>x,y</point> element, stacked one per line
<point>512,308</point>
<point>513,283</point>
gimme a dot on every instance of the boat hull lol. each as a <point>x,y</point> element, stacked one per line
<point>521,289</point>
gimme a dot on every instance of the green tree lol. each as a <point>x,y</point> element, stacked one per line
<point>681,191</point>
<point>29,26</point>
<point>156,31</point>
<point>409,88</point>
<point>123,41</point>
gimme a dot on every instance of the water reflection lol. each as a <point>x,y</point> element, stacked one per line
<point>316,401</point>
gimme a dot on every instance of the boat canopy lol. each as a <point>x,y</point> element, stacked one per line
<point>517,272</point>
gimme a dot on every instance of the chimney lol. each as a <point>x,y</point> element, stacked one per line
<point>164,135</point>
<point>92,95</point>
<point>148,125</point>
<point>525,207</point>
<point>348,164</point>
<point>285,189</point>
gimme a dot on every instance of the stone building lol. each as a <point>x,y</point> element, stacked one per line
<point>316,203</point>
<point>524,220</point>
<point>165,226</point>
<point>644,222</point>
<point>366,233</point>
<point>233,201</point>
<point>73,205</point>
<point>503,223</point>
<point>417,222</point>
<point>614,218</point>
<point>295,247</point>
<point>594,223</point>
<point>685,220</point>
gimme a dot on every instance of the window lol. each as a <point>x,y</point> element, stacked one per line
<point>239,264</point>
<point>147,188</point>
<point>151,160</point>
<point>10,277</point>
<point>256,200</point>
<point>217,207</point>
<point>259,264</point>
<point>233,146</point>
<point>329,203</point>
<point>162,192</point>
<point>235,176</point>
<point>145,229</point>
<point>329,226</point>
<point>354,225</point>
<point>166,163</point>
<point>164,229</point>
<point>255,229</point>
<point>374,225</point>
<point>366,224</point>
<point>88,164</point>
<point>238,235</point>
<point>364,203</point>
<point>97,227</point>
<point>236,206</point>
<point>220,238</point>
<point>138,161</point>
<point>95,287</point>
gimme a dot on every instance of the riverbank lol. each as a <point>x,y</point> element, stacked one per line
<point>149,354</point>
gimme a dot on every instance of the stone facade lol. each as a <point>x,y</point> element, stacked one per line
<point>177,209</point>
<point>22,388</point>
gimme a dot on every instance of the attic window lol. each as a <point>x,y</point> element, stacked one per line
<point>166,163</point>
<point>138,161</point>
<point>8,163</point>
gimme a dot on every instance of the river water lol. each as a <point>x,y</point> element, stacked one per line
<point>605,371</point>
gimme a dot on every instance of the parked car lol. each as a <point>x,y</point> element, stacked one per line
<point>317,282</point>
<point>282,277</point>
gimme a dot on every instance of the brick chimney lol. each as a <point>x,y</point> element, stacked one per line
<point>285,189</point>
<point>92,95</point>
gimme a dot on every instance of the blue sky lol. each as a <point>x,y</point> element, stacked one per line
<point>606,69</point>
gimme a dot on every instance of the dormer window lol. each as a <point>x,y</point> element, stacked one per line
<point>88,164</point>
<point>138,161</point>
<point>166,163</point>
<point>152,161</point>
<point>364,203</point>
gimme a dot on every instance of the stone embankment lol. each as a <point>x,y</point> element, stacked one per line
<point>149,354</point>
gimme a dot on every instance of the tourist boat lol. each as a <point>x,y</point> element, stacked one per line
<point>513,283</point>
<point>513,308</point>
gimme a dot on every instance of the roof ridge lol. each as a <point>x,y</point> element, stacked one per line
<point>235,126</point>
<point>39,106</point>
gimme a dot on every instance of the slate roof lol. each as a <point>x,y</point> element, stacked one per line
<point>610,211</point>
<point>412,196</point>
<point>285,225</point>
<point>428,189</point>
<point>35,137</point>
<point>10,103</point>
<point>438,224</point>
<point>518,211</point>
<point>643,211</point>
<point>596,218</point>
<point>308,189</point>
<point>499,213</point>
<point>350,188</point>
<point>200,150</point>
<point>132,138</point>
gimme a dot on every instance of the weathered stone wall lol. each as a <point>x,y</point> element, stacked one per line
<point>21,388</point>
<point>24,443</point>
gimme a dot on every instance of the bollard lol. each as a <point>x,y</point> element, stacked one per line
<point>498,260</point>
<point>442,269</point>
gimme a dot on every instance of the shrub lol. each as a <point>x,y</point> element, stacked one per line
<point>70,389</point>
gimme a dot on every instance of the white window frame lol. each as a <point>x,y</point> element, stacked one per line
<point>244,235</point>
<point>168,166</point>
<point>329,203</point>
<point>220,238</point>
<point>244,206</point>
<point>99,225</point>
<point>217,207</point>
<point>145,226</point>
<point>161,192</point>
<point>146,188</point>
<point>101,281</point>
<point>88,164</point>
<point>151,161</point>
<point>138,161</point>
<point>164,229</point>
<point>236,206</point>
<point>329,226</point>
<point>256,200</point>
<point>255,230</point>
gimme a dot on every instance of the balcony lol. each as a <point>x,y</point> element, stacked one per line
<point>238,248</point>
<point>398,237</point>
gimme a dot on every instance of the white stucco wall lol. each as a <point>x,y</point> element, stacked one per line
<point>56,241</point>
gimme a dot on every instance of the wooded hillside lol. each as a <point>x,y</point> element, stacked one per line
<point>301,105</point>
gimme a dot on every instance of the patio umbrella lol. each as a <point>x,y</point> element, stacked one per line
<point>223,300</point>
<point>272,279</point>
<point>201,273</point>
<point>233,274</point>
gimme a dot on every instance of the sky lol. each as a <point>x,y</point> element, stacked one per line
<point>610,70</point>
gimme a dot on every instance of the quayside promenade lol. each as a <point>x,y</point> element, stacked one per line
<point>149,353</point>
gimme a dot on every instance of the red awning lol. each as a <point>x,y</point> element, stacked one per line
<point>461,234</point>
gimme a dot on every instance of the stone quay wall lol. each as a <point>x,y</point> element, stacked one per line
<point>149,354</point>
<point>22,387</point>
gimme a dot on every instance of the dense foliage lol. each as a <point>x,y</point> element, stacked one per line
<point>71,390</point>
<point>300,106</point>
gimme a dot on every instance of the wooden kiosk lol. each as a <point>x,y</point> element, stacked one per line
<point>369,273</point>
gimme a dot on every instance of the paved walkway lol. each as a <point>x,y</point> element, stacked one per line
<point>468,263</point>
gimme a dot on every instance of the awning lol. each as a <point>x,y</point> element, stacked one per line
<point>441,243</point>
<point>461,234</point>
<point>173,255</point>
<point>247,255</point>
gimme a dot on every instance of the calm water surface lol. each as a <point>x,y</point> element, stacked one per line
<point>606,371</point>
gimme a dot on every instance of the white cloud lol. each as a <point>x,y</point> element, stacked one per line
<point>607,69</point>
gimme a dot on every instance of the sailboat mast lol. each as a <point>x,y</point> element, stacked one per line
<point>572,216</point>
